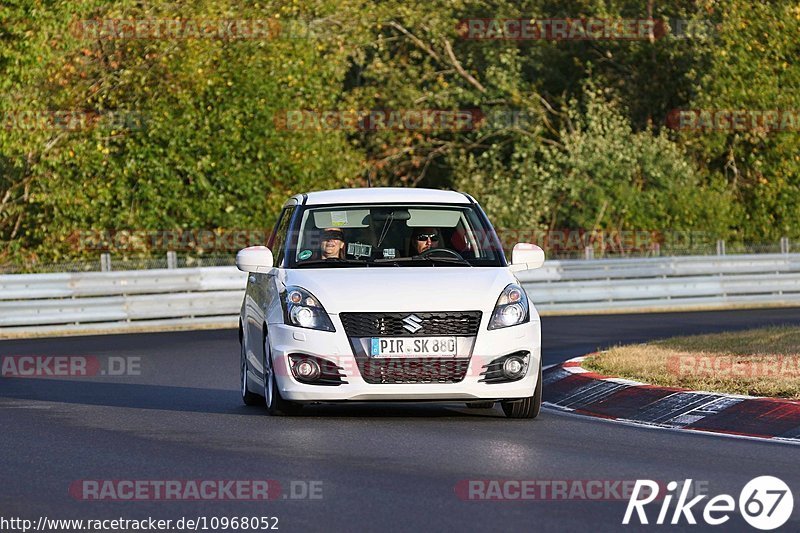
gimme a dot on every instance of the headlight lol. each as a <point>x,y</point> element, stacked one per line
<point>302,309</point>
<point>511,308</point>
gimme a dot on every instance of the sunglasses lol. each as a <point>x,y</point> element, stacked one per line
<point>422,237</point>
<point>332,236</point>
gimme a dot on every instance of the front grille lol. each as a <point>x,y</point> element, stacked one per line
<point>417,370</point>
<point>464,323</point>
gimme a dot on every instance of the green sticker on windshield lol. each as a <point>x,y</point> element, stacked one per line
<point>305,254</point>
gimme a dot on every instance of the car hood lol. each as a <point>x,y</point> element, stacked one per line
<point>401,289</point>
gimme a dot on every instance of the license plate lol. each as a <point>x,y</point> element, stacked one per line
<point>412,347</point>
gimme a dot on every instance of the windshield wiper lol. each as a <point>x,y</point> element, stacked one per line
<point>332,263</point>
<point>441,259</point>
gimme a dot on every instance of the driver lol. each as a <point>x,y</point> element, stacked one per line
<point>332,245</point>
<point>424,239</point>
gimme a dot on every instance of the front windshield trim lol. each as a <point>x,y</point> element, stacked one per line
<point>476,228</point>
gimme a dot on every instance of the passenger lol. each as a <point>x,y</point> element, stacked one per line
<point>332,245</point>
<point>423,239</point>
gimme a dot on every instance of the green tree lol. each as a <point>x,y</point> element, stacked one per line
<point>599,174</point>
<point>754,68</point>
<point>198,146</point>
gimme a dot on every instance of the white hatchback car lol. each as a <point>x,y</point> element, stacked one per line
<point>387,294</point>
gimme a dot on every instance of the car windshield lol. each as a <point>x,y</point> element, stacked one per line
<point>394,236</point>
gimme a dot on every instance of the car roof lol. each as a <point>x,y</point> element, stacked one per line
<point>377,195</point>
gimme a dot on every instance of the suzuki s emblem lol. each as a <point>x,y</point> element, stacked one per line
<point>412,323</point>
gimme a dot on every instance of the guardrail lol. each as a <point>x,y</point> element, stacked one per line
<point>665,282</point>
<point>125,300</point>
<point>120,300</point>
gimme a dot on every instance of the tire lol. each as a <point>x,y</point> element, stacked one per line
<point>480,405</point>
<point>276,405</point>
<point>525,407</point>
<point>248,397</point>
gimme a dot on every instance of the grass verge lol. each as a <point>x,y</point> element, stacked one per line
<point>757,362</point>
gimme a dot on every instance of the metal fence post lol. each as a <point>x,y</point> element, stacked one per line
<point>172,259</point>
<point>720,247</point>
<point>588,252</point>
<point>784,245</point>
<point>105,262</point>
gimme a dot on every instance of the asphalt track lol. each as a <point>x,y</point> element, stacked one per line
<point>387,467</point>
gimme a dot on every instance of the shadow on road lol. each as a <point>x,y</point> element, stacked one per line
<point>136,396</point>
<point>188,399</point>
<point>398,409</point>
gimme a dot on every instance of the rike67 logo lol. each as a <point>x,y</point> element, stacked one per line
<point>765,503</point>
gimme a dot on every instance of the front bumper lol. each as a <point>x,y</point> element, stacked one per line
<point>335,346</point>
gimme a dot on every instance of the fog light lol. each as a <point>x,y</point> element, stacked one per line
<point>307,369</point>
<point>513,367</point>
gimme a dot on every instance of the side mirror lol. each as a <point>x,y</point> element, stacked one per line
<point>254,259</point>
<point>526,256</point>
